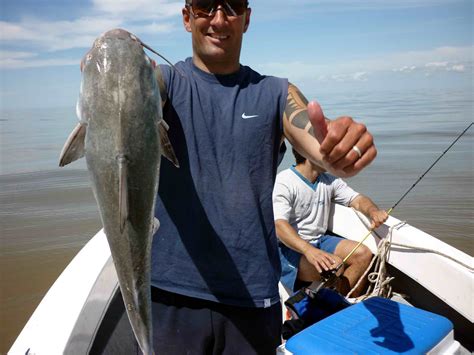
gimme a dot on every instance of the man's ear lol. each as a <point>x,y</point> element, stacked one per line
<point>186,19</point>
<point>247,19</point>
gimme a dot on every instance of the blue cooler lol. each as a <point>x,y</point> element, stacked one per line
<point>376,326</point>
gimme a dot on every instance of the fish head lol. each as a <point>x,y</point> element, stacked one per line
<point>115,54</point>
<point>107,43</point>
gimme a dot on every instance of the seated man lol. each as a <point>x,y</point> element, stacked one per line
<point>301,202</point>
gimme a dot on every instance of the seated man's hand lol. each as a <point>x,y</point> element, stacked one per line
<point>320,259</point>
<point>377,218</point>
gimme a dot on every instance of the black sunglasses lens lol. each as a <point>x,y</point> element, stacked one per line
<point>239,6</point>
<point>205,7</point>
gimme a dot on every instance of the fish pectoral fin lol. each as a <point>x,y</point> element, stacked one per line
<point>166,147</point>
<point>155,225</point>
<point>123,192</point>
<point>74,147</point>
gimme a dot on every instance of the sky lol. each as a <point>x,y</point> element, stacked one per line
<point>320,45</point>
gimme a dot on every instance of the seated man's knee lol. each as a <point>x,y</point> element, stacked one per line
<point>363,255</point>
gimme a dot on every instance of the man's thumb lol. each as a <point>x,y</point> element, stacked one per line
<point>316,117</point>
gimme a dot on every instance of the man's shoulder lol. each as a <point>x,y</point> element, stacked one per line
<point>284,185</point>
<point>328,178</point>
<point>334,182</point>
<point>181,66</point>
<point>256,76</point>
<point>287,178</point>
<point>284,173</point>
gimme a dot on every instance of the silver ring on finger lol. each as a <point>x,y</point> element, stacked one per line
<point>357,150</point>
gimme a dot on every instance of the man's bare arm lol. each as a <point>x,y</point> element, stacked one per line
<point>288,236</point>
<point>324,142</point>
<point>297,126</point>
<point>365,205</point>
<point>296,110</point>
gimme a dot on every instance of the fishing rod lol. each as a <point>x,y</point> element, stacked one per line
<point>330,275</point>
<point>299,302</point>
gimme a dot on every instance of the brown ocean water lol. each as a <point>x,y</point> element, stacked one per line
<point>48,213</point>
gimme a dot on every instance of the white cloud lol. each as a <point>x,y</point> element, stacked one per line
<point>13,60</point>
<point>436,58</point>
<point>16,32</point>
<point>139,9</point>
<point>454,59</point>
<point>53,62</point>
<point>406,69</point>
<point>446,66</point>
<point>458,67</point>
<point>301,70</point>
<point>153,28</point>
<point>11,55</point>
<point>271,9</point>
<point>46,38</point>
<point>55,35</point>
<point>16,59</point>
<point>364,4</point>
<point>32,41</point>
<point>138,16</point>
<point>62,35</point>
<point>360,76</point>
<point>436,65</point>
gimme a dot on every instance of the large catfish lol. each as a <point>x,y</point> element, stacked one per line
<point>122,134</point>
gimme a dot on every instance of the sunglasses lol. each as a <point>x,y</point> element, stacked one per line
<point>208,8</point>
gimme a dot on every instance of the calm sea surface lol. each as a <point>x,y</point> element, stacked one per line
<point>48,213</point>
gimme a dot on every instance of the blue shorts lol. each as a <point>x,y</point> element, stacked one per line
<point>290,259</point>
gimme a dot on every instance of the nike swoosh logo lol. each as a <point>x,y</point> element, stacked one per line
<point>245,117</point>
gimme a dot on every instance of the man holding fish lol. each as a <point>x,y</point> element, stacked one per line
<point>215,263</point>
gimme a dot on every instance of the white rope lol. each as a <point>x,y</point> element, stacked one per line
<point>384,251</point>
<point>363,276</point>
<point>379,280</point>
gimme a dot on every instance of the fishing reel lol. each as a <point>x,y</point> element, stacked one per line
<point>329,277</point>
<point>308,306</point>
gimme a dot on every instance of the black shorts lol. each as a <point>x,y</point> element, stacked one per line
<point>185,325</point>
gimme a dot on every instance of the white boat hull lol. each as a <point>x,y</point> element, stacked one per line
<point>70,316</point>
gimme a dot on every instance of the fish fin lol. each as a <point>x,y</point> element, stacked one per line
<point>123,192</point>
<point>166,147</point>
<point>74,147</point>
<point>155,225</point>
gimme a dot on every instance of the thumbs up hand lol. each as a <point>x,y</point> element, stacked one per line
<point>345,145</point>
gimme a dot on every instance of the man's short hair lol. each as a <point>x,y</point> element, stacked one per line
<point>298,157</point>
